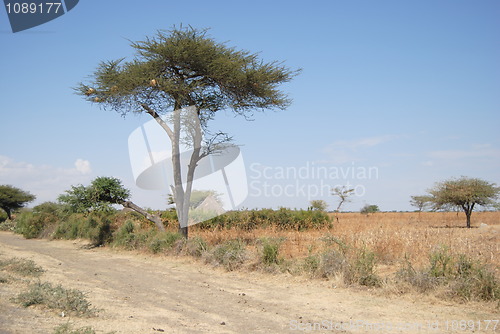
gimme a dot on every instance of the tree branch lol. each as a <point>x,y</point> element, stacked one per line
<point>159,120</point>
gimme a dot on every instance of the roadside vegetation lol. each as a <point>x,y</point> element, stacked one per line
<point>419,252</point>
<point>25,275</point>
<point>400,253</point>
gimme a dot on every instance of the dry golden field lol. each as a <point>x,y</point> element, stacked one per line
<point>390,235</point>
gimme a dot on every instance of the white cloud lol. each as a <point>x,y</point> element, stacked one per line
<point>83,166</point>
<point>342,151</point>
<point>476,151</point>
<point>45,181</point>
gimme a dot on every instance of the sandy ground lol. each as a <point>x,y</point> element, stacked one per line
<point>146,294</point>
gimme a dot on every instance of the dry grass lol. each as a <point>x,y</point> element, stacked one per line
<point>391,235</point>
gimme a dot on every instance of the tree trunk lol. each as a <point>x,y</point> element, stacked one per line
<point>468,214</point>
<point>153,218</point>
<point>8,212</point>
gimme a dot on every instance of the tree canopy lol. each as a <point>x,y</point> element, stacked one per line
<point>464,193</point>
<point>98,196</point>
<point>186,68</point>
<point>12,198</point>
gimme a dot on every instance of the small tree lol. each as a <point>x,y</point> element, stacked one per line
<point>12,198</point>
<point>344,194</point>
<point>100,195</point>
<point>421,202</point>
<point>464,193</point>
<point>318,205</point>
<point>369,208</point>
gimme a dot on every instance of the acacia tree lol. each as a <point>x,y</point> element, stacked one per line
<point>182,68</point>
<point>100,195</point>
<point>12,198</point>
<point>421,202</point>
<point>464,193</point>
<point>318,205</point>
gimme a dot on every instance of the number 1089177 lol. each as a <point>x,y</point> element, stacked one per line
<point>33,8</point>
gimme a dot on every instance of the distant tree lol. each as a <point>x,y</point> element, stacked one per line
<point>12,198</point>
<point>185,69</point>
<point>318,205</point>
<point>464,193</point>
<point>369,208</point>
<point>100,195</point>
<point>343,194</point>
<point>422,202</point>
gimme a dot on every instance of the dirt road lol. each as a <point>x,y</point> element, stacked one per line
<point>144,294</point>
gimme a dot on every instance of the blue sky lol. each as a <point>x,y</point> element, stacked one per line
<point>410,89</point>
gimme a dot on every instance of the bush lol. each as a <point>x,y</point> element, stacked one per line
<point>56,297</point>
<point>283,218</point>
<point>125,236</point>
<point>441,263</point>
<point>67,328</point>
<point>196,246</point>
<point>95,227</point>
<point>369,209</point>
<point>162,241</point>
<point>22,267</point>
<point>462,277</point>
<point>31,225</point>
<point>270,250</point>
<point>3,216</point>
<point>230,254</point>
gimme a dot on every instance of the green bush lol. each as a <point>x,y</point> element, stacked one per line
<point>67,328</point>
<point>365,268</point>
<point>230,254</point>
<point>56,297</point>
<point>3,216</point>
<point>21,266</point>
<point>270,250</point>
<point>441,263</point>
<point>31,225</point>
<point>162,241</point>
<point>283,218</point>
<point>462,277</point>
<point>95,227</point>
<point>369,209</point>
<point>125,236</point>
<point>196,246</point>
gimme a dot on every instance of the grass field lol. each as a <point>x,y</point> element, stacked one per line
<point>392,236</point>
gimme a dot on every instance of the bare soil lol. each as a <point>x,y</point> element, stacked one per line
<point>139,293</point>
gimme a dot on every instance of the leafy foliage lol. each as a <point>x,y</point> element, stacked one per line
<point>464,193</point>
<point>98,196</point>
<point>318,205</point>
<point>12,198</point>
<point>369,208</point>
<point>56,297</point>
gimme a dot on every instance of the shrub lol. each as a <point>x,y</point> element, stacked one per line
<point>270,250</point>
<point>369,209</point>
<point>67,328</point>
<point>30,225</point>
<point>95,227</point>
<point>420,280</point>
<point>364,268</point>
<point>441,263</point>
<point>230,254</point>
<point>196,246</point>
<point>162,241</point>
<point>3,216</point>
<point>56,297</point>
<point>22,267</point>
<point>125,236</point>
<point>283,218</point>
